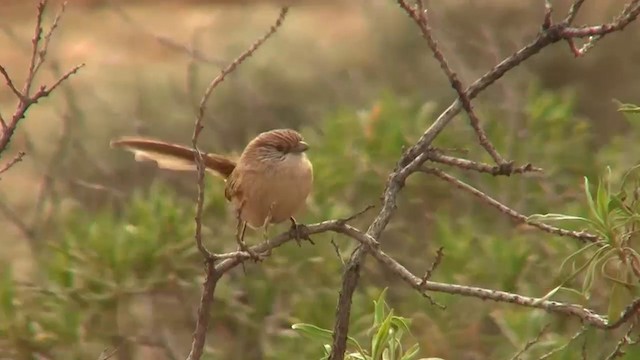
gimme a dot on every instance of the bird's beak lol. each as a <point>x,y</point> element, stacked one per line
<point>302,146</point>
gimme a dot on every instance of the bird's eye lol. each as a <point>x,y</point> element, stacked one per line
<point>280,147</point>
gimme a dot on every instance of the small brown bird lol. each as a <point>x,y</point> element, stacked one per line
<point>268,184</point>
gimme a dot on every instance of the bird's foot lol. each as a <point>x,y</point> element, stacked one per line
<point>299,232</point>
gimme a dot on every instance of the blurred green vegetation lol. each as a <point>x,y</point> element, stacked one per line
<point>115,261</point>
<point>101,263</point>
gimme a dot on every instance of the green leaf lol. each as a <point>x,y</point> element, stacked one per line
<point>318,333</point>
<point>556,217</point>
<point>381,337</point>
<point>313,332</point>
<point>412,353</point>
<point>378,306</point>
<point>629,108</point>
<point>590,202</point>
<point>602,197</point>
<point>7,291</point>
<point>401,323</point>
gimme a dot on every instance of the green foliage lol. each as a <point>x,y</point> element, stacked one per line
<point>100,261</point>
<point>614,217</point>
<point>386,333</point>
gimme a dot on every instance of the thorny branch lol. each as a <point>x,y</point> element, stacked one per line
<point>587,316</point>
<point>413,158</point>
<point>24,96</point>
<point>212,275</point>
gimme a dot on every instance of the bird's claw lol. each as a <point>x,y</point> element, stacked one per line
<point>256,257</point>
<point>300,232</point>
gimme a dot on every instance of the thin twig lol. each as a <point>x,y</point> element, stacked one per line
<point>421,18</point>
<point>12,162</point>
<point>618,351</point>
<point>556,33</point>
<point>466,164</point>
<point>427,275</point>
<point>564,346</point>
<point>579,235</point>
<point>531,342</point>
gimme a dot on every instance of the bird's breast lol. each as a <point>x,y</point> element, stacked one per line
<point>280,190</point>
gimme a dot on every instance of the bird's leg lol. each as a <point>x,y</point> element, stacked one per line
<point>240,231</point>
<point>298,231</point>
<point>265,228</point>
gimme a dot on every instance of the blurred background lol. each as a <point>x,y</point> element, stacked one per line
<point>97,251</point>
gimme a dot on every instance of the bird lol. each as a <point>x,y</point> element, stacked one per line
<point>268,184</point>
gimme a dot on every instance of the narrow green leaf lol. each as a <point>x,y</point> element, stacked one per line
<point>379,304</point>
<point>412,353</point>
<point>318,333</point>
<point>590,202</point>
<point>313,331</point>
<point>556,217</point>
<point>602,198</point>
<point>381,337</point>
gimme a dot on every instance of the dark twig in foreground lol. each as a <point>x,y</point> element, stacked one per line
<point>585,315</point>
<point>212,276</point>
<point>531,342</point>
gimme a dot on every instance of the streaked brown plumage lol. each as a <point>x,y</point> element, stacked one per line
<point>273,176</point>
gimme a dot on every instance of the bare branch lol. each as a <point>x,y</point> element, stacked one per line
<point>579,235</point>
<point>465,164</point>
<point>12,162</point>
<point>587,316</point>
<point>7,78</point>
<point>202,322</point>
<point>37,57</point>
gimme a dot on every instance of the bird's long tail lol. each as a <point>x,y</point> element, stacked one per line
<point>172,156</point>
